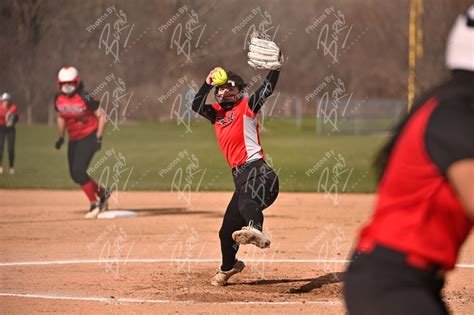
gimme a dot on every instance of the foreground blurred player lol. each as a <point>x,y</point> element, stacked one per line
<point>425,205</point>
<point>85,121</point>
<point>236,128</point>
<point>8,117</point>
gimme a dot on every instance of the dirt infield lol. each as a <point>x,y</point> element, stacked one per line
<point>53,260</point>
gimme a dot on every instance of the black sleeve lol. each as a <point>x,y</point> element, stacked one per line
<point>200,106</point>
<point>449,135</point>
<point>258,98</point>
<point>89,100</point>
<point>55,99</point>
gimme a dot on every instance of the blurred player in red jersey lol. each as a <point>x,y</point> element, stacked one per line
<point>425,206</point>
<point>234,117</point>
<point>80,115</point>
<point>9,115</point>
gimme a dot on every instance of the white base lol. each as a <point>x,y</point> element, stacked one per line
<point>112,214</point>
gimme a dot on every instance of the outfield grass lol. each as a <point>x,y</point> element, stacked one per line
<point>147,149</point>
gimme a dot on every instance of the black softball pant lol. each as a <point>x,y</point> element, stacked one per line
<point>8,133</point>
<point>382,283</point>
<point>79,155</point>
<point>256,188</point>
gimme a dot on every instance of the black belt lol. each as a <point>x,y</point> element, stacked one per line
<point>237,170</point>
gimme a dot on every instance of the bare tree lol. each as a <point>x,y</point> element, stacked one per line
<point>29,27</point>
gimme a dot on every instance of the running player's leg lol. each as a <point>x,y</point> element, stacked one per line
<point>84,151</point>
<point>11,133</point>
<point>71,153</point>
<point>232,222</point>
<point>3,133</point>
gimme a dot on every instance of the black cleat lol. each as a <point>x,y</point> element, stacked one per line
<point>93,211</point>
<point>104,199</point>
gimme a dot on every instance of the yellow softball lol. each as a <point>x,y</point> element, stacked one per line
<point>219,77</point>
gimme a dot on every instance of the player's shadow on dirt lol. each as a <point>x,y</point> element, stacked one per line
<point>166,211</point>
<point>142,212</point>
<point>314,283</point>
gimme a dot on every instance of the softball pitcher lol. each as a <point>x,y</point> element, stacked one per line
<point>8,118</point>
<point>425,206</point>
<point>80,115</point>
<point>234,117</point>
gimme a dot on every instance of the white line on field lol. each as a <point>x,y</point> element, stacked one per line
<point>141,300</point>
<point>162,260</point>
<point>117,300</point>
<point>464,265</point>
<point>177,260</point>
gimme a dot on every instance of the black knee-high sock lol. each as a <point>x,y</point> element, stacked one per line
<point>252,213</point>
<point>233,221</point>
<point>229,250</point>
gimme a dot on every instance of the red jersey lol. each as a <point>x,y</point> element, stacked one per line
<point>78,113</point>
<point>12,109</point>
<point>417,211</point>
<point>237,133</point>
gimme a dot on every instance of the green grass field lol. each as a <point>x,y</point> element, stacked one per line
<point>157,156</point>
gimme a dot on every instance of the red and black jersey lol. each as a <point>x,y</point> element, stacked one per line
<point>237,133</point>
<point>237,129</point>
<point>417,212</point>
<point>78,110</point>
<point>11,110</point>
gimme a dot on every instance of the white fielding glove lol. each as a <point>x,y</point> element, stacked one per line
<point>264,54</point>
